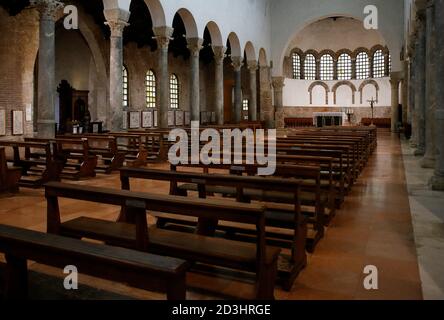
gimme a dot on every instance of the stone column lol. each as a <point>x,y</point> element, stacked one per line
<point>46,62</point>
<point>394,82</point>
<point>195,45</point>
<point>266,99</point>
<point>420,83</point>
<point>437,181</point>
<point>430,151</point>
<point>163,36</point>
<point>219,56</point>
<point>404,93</point>
<point>278,86</point>
<point>252,111</point>
<point>414,108</point>
<point>237,112</point>
<point>117,20</point>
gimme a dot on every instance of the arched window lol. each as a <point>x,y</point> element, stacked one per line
<point>125,87</point>
<point>150,84</point>
<point>362,66</point>
<point>344,67</point>
<point>296,63</point>
<point>378,64</point>
<point>327,72</point>
<point>310,67</point>
<point>174,92</point>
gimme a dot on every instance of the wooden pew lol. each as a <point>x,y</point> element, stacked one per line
<point>141,270</point>
<point>132,231</point>
<point>106,150</point>
<point>9,176</point>
<point>74,155</point>
<point>244,189</point>
<point>36,170</point>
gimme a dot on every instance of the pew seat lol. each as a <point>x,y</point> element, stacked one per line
<point>138,269</point>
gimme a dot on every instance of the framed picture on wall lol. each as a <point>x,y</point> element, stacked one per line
<point>125,120</point>
<point>134,120</point>
<point>147,119</point>
<point>2,122</point>
<point>28,116</point>
<point>187,118</point>
<point>17,123</point>
<point>171,118</point>
<point>155,118</point>
<point>179,118</point>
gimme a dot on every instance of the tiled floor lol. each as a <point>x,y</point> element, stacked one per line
<point>374,227</point>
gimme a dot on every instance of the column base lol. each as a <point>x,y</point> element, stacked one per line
<point>428,163</point>
<point>46,129</point>
<point>437,183</point>
<point>419,153</point>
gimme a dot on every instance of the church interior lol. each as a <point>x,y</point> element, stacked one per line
<point>344,98</point>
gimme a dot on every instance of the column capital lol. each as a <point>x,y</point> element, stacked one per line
<point>278,83</point>
<point>252,65</point>
<point>237,63</point>
<point>116,27</point>
<point>163,36</point>
<point>194,45</point>
<point>219,54</point>
<point>116,20</point>
<point>47,8</point>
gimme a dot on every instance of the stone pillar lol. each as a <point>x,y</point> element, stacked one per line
<point>266,97</point>
<point>437,181</point>
<point>278,86</point>
<point>237,112</point>
<point>413,107</point>
<point>195,45</point>
<point>219,56</point>
<point>394,82</point>
<point>46,62</point>
<point>420,83</point>
<point>117,20</point>
<point>430,151</point>
<point>163,36</point>
<point>252,111</point>
<point>404,93</point>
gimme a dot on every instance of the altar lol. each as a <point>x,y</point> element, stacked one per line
<point>325,119</point>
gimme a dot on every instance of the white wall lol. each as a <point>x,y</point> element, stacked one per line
<point>344,33</point>
<point>289,17</point>
<point>296,94</point>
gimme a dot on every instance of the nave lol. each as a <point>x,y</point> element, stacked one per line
<point>373,227</point>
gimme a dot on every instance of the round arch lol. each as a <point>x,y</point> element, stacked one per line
<point>322,84</point>
<point>344,83</point>
<point>189,22</point>
<point>215,34</point>
<point>157,13</point>
<point>263,58</point>
<point>250,52</point>
<point>233,39</point>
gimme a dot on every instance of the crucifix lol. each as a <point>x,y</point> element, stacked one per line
<point>372,106</point>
